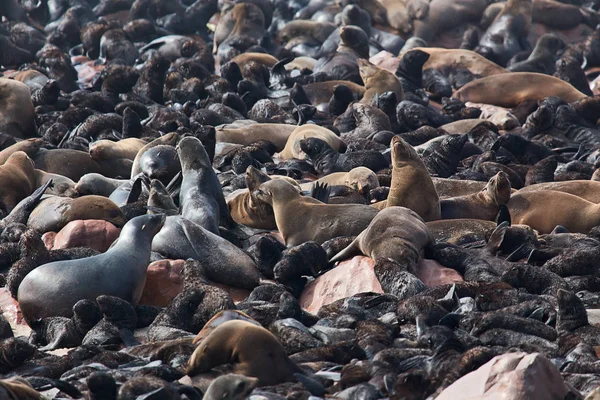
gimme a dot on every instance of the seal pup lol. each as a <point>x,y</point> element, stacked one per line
<point>17,116</point>
<point>482,205</point>
<point>53,289</point>
<point>301,219</point>
<point>253,351</point>
<point>230,387</point>
<point>411,185</point>
<point>292,147</point>
<point>396,233</point>
<point>545,209</point>
<point>201,197</point>
<point>510,89</point>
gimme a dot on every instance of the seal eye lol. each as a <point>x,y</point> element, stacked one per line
<point>430,342</point>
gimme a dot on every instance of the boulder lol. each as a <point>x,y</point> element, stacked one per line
<point>347,279</point>
<point>512,376</point>
<point>94,233</point>
<point>164,281</point>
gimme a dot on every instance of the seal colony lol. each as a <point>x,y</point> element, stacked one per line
<point>298,199</point>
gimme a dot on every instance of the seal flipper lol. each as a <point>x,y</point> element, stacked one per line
<point>503,215</point>
<point>128,337</point>
<point>451,320</point>
<point>135,191</point>
<point>321,192</point>
<point>497,238</point>
<point>559,229</point>
<point>350,251</point>
<point>315,387</point>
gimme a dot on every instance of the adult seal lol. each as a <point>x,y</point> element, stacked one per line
<point>588,190</point>
<point>17,180</point>
<point>252,350</point>
<point>411,186</point>
<point>17,116</point>
<point>510,89</point>
<point>482,205</point>
<point>396,233</point>
<point>201,196</point>
<point>301,219</point>
<point>53,289</point>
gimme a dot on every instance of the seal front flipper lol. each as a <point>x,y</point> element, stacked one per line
<point>128,337</point>
<point>503,215</point>
<point>497,237</point>
<point>315,387</point>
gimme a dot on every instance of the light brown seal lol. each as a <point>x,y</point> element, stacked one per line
<point>53,213</point>
<point>453,187</point>
<point>253,351</point>
<point>453,59</point>
<point>545,209</point>
<point>29,146</point>
<point>124,148</point>
<point>378,81</point>
<point>411,186</point>
<point>17,180</point>
<point>361,179</point>
<point>482,205</point>
<point>17,116</point>
<point>319,93</point>
<point>454,231</point>
<point>75,163</point>
<point>261,58</point>
<point>277,134</point>
<point>397,234</point>
<point>292,147</point>
<point>511,89</point>
<point>588,190</point>
<point>301,219</point>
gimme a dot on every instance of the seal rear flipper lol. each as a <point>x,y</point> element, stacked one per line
<point>63,386</point>
<point>451,320</point>
<point>315,387</point>
<point>279,74</point>
<point>350,251</point>
<point>503,215</point>
<point>559,229</point>
<point>128,338</point>
<point>320,191</point>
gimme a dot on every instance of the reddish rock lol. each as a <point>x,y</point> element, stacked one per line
<point>94,233</point>
<point>163,282</point>
<point>48,239</point>
<point>512,376</point>
<point>347,279</point>
<point>434,274</point>
<point>12,313</point>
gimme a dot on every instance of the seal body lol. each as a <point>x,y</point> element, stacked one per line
<point>53,289</point>
<point>412,186</point>
<point>301,219</point>
<point>396,233</point>
<point>17,116</point>
<point>17,180</point>
<point>588,190</point>
<point>253,351</point>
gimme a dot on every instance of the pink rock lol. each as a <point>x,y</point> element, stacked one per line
<point>163,282</point>
<point>512,376</point>
<point>386,60</point>
<point>94,233</point>
<point>347,279</point>
<point>48,239</point>
<point>434,274</point>
<point>12,313</point>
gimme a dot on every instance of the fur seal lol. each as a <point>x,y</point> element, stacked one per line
<point>455,59</point>
<point>124,148</point>
<point>301,219</point>
<point>545,209</point>
<point>278,134</point>
<point>361,179</point>
<point>482,205</point>
<point>453,187</point>
<point>201,197</point>
<point>170,139</point>
<point>17,180</point>
<point>53,289</point>
<point>160,162</point>
<point>378,81</point>
<point>588,190</point>
<point>97,184</point>
<point>221,260</point>
<point>29,146</point>
<point>460,231</point>
<point>396,233</point>
<point>511,89</point>
<point>230,387</point>
<point>75,163</point>
<point>53,213</point>
<point>17,115</point>
<point>292,146</point>
<point>411,186</point>
<point>507,35</point>
<point>253,351</point>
